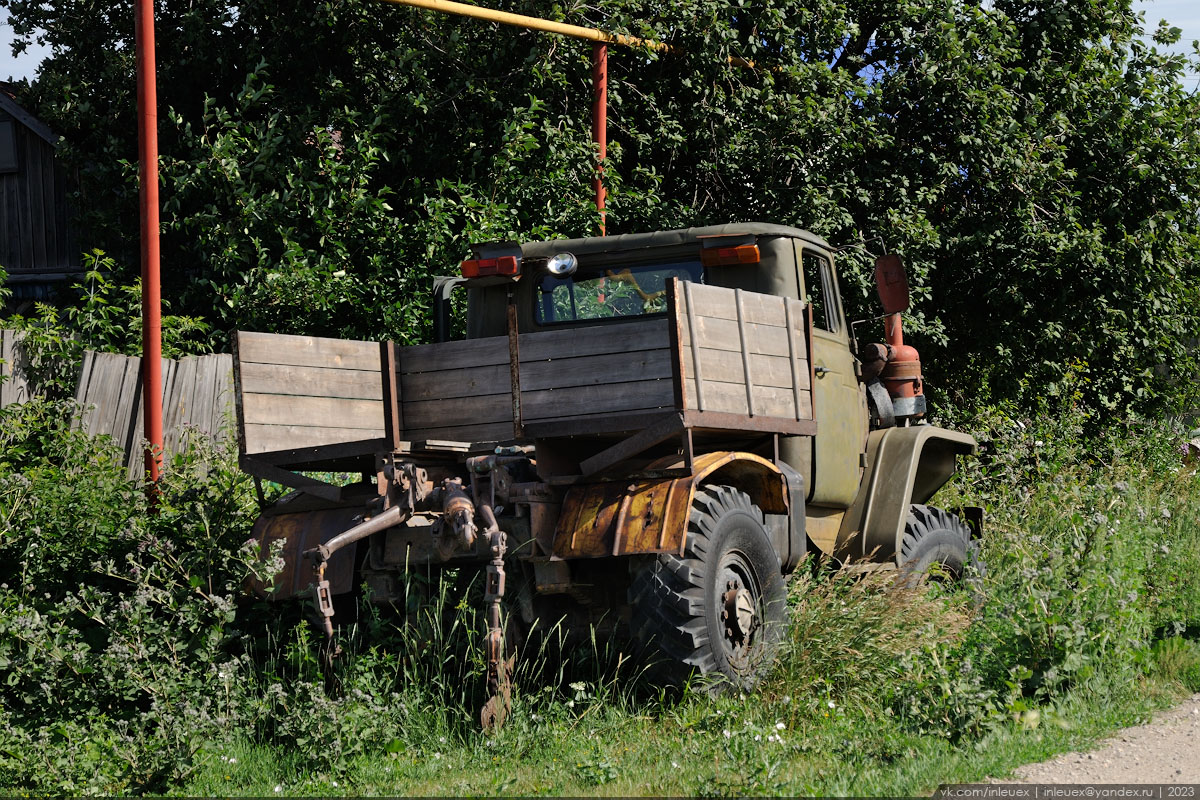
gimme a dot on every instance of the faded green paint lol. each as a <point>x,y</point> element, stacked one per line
<point>904,466</point>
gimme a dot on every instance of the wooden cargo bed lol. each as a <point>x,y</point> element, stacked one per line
<point>719,360</point>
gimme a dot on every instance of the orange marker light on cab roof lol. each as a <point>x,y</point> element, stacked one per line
<point>725,256</point>
<point>484,267</point>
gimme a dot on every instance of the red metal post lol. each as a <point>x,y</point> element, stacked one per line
<point>600,120</point>
<point>151,292</point>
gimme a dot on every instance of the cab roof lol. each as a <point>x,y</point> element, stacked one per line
<point>638,241</point>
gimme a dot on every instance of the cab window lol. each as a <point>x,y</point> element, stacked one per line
<point>818,282</point>
<point>610,292</point>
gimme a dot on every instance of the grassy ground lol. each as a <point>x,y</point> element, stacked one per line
<point>775,746</point>
<point>130,665</point>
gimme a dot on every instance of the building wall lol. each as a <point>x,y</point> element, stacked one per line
<point>36,240</point>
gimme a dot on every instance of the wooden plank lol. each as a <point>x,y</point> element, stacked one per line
<point>110,371</point>
<point>307,351</point>
<point>613,398</point>
<point>389,383</point>
<point>593,424</point>
<point>239,416</point>
<point>678,371</point>
<point>13,388</point>
<point>641,441</point>
<point>85,377</point>
<point>466,354</point>
<point>725,366</point>
<point>737,423</point>
<point>33,157</point>
<point>223,410</point>
<point>456,411</point>
<point>448,384</point>
<point>720,303</point>
<point>317,412</point>
<point>487,432</point>
<point>207,402</point>
<point>177,375</point>
<point>625,337</point>
<point>794,358</point>
<point>722,334</point>
<point>270,472</point>
<point>596,370</point>
<point>730,398</point>
<point>747,376</point>
<point>289,379</point>
<point>128,419</point>
<point>688,332</point>
<point>134,458</point>
<point>346,452</point>
<point>268,438</point>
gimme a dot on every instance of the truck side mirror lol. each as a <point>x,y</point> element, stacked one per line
<point>443,285</point>
<point>891,283</point>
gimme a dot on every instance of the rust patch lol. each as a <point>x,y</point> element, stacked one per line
<point>651,515</point>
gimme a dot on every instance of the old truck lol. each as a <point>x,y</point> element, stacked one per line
<point>645,433</point>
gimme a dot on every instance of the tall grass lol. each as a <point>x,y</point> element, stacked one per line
<point>130,661</point>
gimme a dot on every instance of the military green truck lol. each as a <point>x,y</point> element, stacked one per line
<point>640,434</point>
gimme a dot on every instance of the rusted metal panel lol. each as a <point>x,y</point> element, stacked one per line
<point>651,515</point>
<point>300,532</point>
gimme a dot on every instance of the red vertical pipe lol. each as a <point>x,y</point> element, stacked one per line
<point>600,120</point>
<point>151,292</point>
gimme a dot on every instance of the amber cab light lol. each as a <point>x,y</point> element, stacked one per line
<point>484,267</point>
<point>724,256</point>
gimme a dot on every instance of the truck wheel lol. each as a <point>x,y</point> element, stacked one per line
<point>936,537</point>
<point>720,609</point>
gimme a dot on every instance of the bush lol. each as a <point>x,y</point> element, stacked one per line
<point>130,654</point>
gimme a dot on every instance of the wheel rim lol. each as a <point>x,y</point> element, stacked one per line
<point>740,603</point>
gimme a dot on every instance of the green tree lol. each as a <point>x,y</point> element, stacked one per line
<point>1033,160</point>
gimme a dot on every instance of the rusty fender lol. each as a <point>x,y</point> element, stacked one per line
<point>650,515</point>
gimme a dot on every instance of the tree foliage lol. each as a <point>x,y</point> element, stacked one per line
<point>1033,160</point>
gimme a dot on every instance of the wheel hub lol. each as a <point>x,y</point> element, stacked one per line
<point>738,613</point>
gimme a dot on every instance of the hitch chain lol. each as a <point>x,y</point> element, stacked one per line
<point>499,689</point>
<point>493,593</point>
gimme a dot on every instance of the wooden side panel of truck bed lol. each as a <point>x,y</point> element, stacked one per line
<point>720,359</point>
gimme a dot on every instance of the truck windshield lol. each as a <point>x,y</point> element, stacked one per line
<point>610,292</point>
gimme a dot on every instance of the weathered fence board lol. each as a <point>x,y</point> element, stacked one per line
<point>197,395</point>
<point>13,387</point>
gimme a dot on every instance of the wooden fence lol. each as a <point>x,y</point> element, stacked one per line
<point>197,394</point>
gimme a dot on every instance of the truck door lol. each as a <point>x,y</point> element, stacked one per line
<point>840,406</point>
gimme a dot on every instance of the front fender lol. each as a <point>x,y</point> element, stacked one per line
<point>904,466</point>
<point>650,515</point>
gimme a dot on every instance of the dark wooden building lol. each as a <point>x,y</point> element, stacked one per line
<point>37,243</point>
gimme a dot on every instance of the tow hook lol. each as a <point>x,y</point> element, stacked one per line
<point>323,599</point>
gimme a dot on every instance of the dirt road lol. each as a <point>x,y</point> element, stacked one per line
<point>1164,750</point>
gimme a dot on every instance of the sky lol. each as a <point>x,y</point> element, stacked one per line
<point>23,66</point>
<point>1183,14</point>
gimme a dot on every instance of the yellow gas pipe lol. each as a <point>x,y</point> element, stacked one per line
<point>535,23</point>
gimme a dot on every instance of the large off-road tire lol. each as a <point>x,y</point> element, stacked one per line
<point>721,608</point>
<point>938,544</point>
